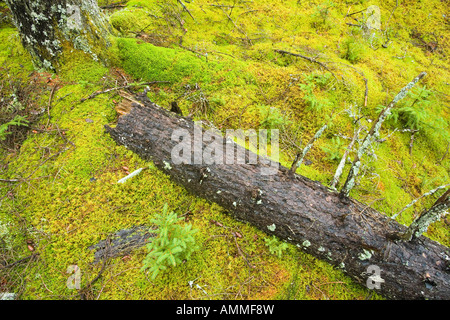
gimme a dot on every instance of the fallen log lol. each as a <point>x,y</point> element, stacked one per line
<point>340,230</point>
<point>121,243</point>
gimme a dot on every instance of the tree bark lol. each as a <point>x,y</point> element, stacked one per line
<point>48,28</point>
<point>342,231</point>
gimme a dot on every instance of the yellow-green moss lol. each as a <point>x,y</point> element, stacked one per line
<point>73,200</point>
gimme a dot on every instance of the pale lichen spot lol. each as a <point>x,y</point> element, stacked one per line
<point>167,166</point>
<point>365,255</point>
<point>272,227</point>
<point>306,243</point>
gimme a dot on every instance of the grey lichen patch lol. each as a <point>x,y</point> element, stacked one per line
<point>272,227</point>
<point>306,243</point>
<point>167,166</point>
<point>365,255</point>
<point>321,249</point>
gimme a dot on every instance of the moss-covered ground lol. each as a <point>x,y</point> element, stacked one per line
<point>220,65</point>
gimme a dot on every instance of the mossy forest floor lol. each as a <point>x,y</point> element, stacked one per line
<point>59,192</point>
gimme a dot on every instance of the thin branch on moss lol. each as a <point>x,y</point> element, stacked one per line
<point>121,4</point>
<point>12,264</point>
<point>411,141</point>
<point>236,26</point>
<point>350,14</point>
<point>434,214</point>
<point>445,154</point>
<point>429,193</point>
<point>283,52</point>
<point>186,9</point>
<point>341,165</point>
<point>9,180</point>
<point>366,83</point>
<point>83,291</point>
<point>224,6</point>
<point>388,40</point>
<point>122,87</point>
<point>300,156</point>
<point>50,100</point>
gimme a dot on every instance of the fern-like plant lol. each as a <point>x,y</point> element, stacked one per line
<point>333,151</point>
<point>313,103</point>
<point>173,244</point>
<point>272,118</point>
<point>17,121</point>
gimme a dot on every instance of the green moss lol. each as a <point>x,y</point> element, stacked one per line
<point>73,200</point>
<point>12,53</point>
<point>130,20</point>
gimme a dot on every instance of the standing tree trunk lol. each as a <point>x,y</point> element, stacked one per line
<point>48,28</point>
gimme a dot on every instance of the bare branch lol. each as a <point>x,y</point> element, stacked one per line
<point>299,158</point>
<point>429,193</point>
<point>373,134</point>
<point>435,213</point>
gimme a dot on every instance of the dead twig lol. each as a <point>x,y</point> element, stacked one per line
<point>366,83</point>
<point>236,26</point>
<point>186,9</point>
<point>417,199</point>
<point>341,165</point>
<point>49,105</point>
<point>10,265</point>
<point>445,154</point>
<point>300,156</point>
<point>121,88</point>
<point>411,141</point>
<point>83,292</point>
<point>283,52</point>
<point>115,5</point>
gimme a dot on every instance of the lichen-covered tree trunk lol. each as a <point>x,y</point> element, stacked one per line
<point>349,235</point>
<point>48,28</point>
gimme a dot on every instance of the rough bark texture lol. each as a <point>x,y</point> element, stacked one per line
<point>48,27</point>
<point>349,235</point>
<point>121,243</point>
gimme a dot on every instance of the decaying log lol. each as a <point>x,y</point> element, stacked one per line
<point>340,230</point>
<point>121,243</point>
